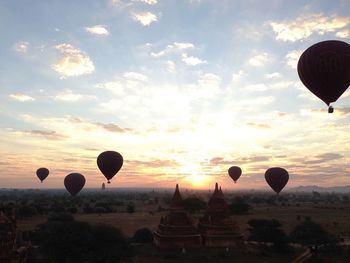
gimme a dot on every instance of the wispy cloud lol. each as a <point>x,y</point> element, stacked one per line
<point>50,135</point>
<point>258,125</point>
<point>343,33</point>
<point>21,97</point>
<point>145,18</point>
<point>72,62</point>
<point>70,96</point>
<point>171,66</point>
<point>100,30</point>
<point>292,58</point>
<point>273,75</point>
<point>21,47</point>
<point>303,27</point>
<point>176,47</point>
<point>259,60</point>
<point>192,61</point>
<point>149,2</point>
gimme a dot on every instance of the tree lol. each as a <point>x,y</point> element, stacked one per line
<point>130,208</point>
<point>263,230</point>
<point>310,233</point>
<point>63,240</point>
<point>143,235</point>
<point>194,204</point>
<point>238,206</point>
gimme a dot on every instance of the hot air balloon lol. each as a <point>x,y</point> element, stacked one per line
<point>74,182</point>
<point>42,173</point>
<point>324,68</point>
<point>109,162</point>
<point>235,172</point>
<point>277,178</point>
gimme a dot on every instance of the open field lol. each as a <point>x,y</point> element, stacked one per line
<point>333,218</point>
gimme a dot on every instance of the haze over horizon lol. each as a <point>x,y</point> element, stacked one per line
<point>182,89</point>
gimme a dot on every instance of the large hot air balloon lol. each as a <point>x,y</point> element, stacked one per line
<point>74,182</point>
<point>277,178</point>
<point>324,68</point>
<point>42,173</point>
<point>109,162</point>
<point>235,172</point>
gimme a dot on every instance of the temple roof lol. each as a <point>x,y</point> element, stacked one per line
<point>176,201</point>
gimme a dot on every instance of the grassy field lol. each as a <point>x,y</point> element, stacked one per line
<point>333,218</point>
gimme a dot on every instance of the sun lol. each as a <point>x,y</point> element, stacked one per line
<point>194,176</point>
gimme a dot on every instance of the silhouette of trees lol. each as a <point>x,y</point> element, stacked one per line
<point>239,206</point>
<point>194,204</point>
<point>62,239</point>
<point>130,208</point>
<point>263,230</point>
<point>311,234</point>
<point>143,235</point>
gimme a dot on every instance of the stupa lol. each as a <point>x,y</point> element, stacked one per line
<point>216,227</point>
<point>177,229</point>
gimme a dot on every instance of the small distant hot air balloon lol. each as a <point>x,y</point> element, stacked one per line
<point>277,178</point>
<point>324,68</point>
<point>74,182</point>
<point>42,173</point>
<point>109,162</point>
<point>235,172</point>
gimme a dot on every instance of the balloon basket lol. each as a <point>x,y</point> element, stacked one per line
<point>330,109</point>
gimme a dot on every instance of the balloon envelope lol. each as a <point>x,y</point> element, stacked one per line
<point>74,182</point>
<point>324,68</point>
<point>42,173</point>
<point>277,178</point>
<point>235,172</point>
<point>109,162</point>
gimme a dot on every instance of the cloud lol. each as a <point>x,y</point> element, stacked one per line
<point>134,76</point>
<point>50,135</point>
<point>98,30</point>
<point>343,111</point>
<point>237,76</point>
<point>70,96</point>
<point>273,75</point>
<point>21,97</point>
<point>21,47</point>
<point>258,125</point>
<point>272,86</point>
<point>149,2</point>
<point>192,61</point>
<point>292,58</point>
<point>72,62</point>
<point>303,27</point>
<point>145,18</point>
<point>259,60</point>
<point>171,66</point>
<point>343,34</point>
<point>126,3</point>
<point>111,127</point>
<point>325,157</point>
<point>173,48</point>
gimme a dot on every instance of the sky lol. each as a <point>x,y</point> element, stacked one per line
<point>183,89</point>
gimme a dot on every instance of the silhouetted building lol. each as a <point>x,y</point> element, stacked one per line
<point>216,227</point>
<point>177,229</point>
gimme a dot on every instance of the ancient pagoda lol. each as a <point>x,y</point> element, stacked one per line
<point>177,229</point>
<point>216,226</point>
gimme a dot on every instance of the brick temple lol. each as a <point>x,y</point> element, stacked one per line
<point>215,229</point>
<point>216,226</point>
<point>177,229</point>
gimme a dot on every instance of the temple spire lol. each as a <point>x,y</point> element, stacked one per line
<point>176,201</point>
